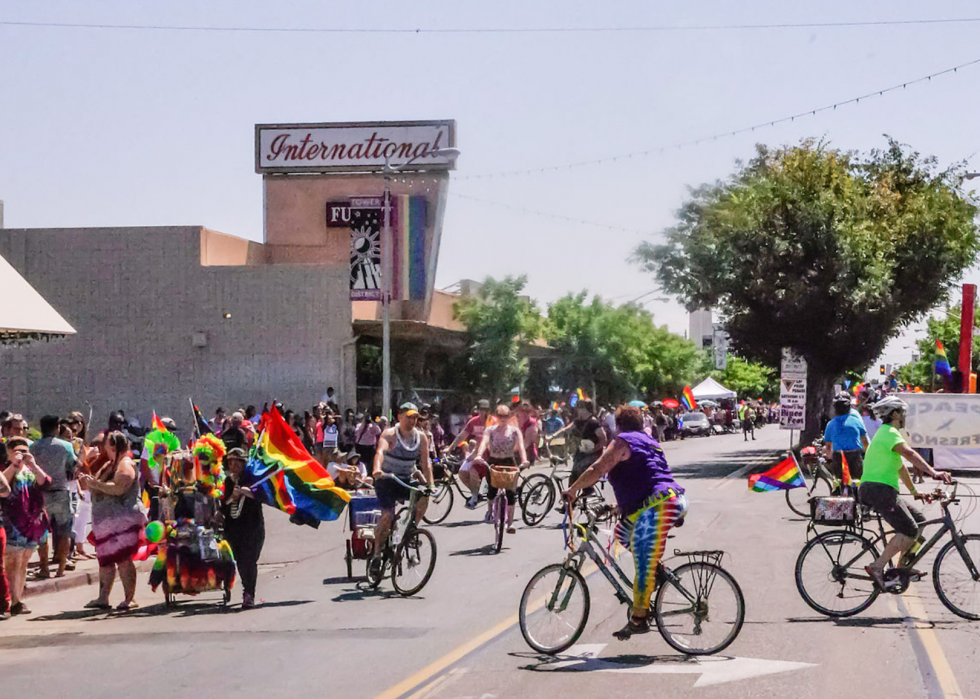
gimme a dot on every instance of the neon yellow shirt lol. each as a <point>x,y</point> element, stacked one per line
<point>881,462</point>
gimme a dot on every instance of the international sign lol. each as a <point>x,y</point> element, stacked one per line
<point>353,147</point>
<point>792,391</point>
<point>943,420</point>
<point>364,220</point>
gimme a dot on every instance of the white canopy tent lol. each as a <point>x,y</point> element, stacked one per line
<point>709,389</point>
<point>29,316</point>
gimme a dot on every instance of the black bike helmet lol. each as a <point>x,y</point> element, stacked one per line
<point>842,403</point>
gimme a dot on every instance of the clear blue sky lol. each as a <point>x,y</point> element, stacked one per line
<point>124,127</point>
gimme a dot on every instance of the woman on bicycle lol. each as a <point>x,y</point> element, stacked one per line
<point>649,499</point>
<point>879,485</point>
<point>503,443</point>
<point>845,437</point>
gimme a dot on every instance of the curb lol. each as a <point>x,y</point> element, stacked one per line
<point>69,582</point>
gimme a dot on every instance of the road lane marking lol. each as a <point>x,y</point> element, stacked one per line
<point>940,667</point>
<point>712,670</point>
<point>461,651</point>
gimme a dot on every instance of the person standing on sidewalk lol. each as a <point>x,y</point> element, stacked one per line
<point>57,458</point>
<point>244,524</point>
<point>4,585</point>
<point>23,516</point>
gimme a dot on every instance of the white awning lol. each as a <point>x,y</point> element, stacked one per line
<point>26,314</point>
<point>709,389</point>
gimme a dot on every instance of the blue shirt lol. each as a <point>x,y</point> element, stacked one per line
<point>845,432</point>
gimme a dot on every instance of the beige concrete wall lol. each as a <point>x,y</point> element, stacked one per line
<point>137,295</point>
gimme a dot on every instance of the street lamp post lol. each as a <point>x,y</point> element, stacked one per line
<point>386,272</point>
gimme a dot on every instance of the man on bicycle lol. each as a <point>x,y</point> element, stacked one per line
<point>474,473</point>
<point>845,437</point>
<point>590,436</point>
<point>883,468</point>
<point>649,499</point>
<point>401,450</point>
<point>503,443</point>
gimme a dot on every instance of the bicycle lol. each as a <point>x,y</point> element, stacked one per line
<point>819,481</point>
<point>557,599</point>
<point>503,478</point>
<point>413,557</point>
<point>442,500</point>
<point>831,578</point>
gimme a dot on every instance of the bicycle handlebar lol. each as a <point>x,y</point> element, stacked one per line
<point>424,488</point>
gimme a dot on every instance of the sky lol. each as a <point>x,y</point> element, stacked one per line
<point>119,127</point>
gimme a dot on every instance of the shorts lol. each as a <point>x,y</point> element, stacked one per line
<point>884,500</point>
<point>855,463</point>
<point>477,467</point>
<point>61,517</point>
<point>390,492</point>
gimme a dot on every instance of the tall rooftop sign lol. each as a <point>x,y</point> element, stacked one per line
<point>353,147</point>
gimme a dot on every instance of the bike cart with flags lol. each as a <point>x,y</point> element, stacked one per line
<point>192,557</point>
<point>364,513</point>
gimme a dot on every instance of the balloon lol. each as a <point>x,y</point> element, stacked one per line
<point>155,532</point>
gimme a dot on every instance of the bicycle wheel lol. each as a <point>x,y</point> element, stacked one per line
<point>537,502</point>
<point>375,573</point>
<point>440,504</point>
<point>554,609</point>
<point>830,573</point>
<point>414,561</point>
<point>952,576</point>
<point>702,612</point>
<point>499,520</point>
<point>798,499</point>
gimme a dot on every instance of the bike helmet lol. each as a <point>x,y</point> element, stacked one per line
<point>887,405</point>
<point>842,403</point>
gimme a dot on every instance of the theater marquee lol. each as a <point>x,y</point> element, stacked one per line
<point>353,147</point>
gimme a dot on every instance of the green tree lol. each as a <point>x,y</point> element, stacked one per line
<point>824,251</point>
<point>498,320</point>
<point>749,379</point>
<point>616,353</point>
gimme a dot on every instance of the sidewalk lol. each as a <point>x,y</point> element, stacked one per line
<point>86,573</point>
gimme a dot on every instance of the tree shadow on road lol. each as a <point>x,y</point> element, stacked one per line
<point>854,621</point>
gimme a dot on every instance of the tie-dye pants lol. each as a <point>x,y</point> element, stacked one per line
<point>645,534</point>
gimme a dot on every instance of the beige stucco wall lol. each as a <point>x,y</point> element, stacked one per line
<point>137,295</point>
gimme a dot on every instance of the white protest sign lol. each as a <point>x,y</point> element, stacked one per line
<point>792,391</point>
<point>950,420</point>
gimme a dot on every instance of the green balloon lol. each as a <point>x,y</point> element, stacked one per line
<point>155,532</point>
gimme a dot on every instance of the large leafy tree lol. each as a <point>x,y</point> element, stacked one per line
<point>616,353</point>
<point>749,379</point>
<point>824,251</point>
<point>498,320</point>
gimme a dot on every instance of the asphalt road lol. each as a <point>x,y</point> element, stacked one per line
<point>316,631</point>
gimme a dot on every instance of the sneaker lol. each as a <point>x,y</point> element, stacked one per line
<point>248,601</point>
<point>634,627</point>
<point>471,502</point>
<point>511,530</point>
<point>488,517</point>
<point>4,616</point>
<point>19,608</point>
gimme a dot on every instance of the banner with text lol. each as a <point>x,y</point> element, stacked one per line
<point>364,216</point>
<point>950,420</point>
<point>792,391</point>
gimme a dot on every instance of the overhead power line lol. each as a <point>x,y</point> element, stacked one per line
<point>643,29</point>
<point>546,214</point>
<point>660,150</point>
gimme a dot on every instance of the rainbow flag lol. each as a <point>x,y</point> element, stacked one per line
<point>290,479</point>
<point>783,476</point>
<point>687,398</point>
<point>157,425</point>
<point>201,426</point>
<point>845,471</point>
<point>942,363</point>
<point>412,245</point>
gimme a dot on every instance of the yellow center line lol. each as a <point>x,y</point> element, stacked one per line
<point>930,640</point>
<point>461,651</point>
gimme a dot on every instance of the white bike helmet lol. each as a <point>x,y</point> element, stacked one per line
<point>887,405</point>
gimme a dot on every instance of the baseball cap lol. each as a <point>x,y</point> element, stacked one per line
<point>236,453</point>
<point>483,404</point>
<point>409,409</point>
<point>169,423</point>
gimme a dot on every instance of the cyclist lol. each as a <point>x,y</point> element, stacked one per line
<point>402,450</point>
<point>503,443</point>
<point>845,437</point>
<point>649,499</point>
<point>473,429</point>
<point>591,437</point>
<point>883,468</point>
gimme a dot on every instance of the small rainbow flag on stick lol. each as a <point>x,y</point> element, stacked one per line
<point>783,476</point>
<point>942,363</point>
<point>687,398</point>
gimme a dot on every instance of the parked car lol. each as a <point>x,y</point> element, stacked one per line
<point>695,424</point>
